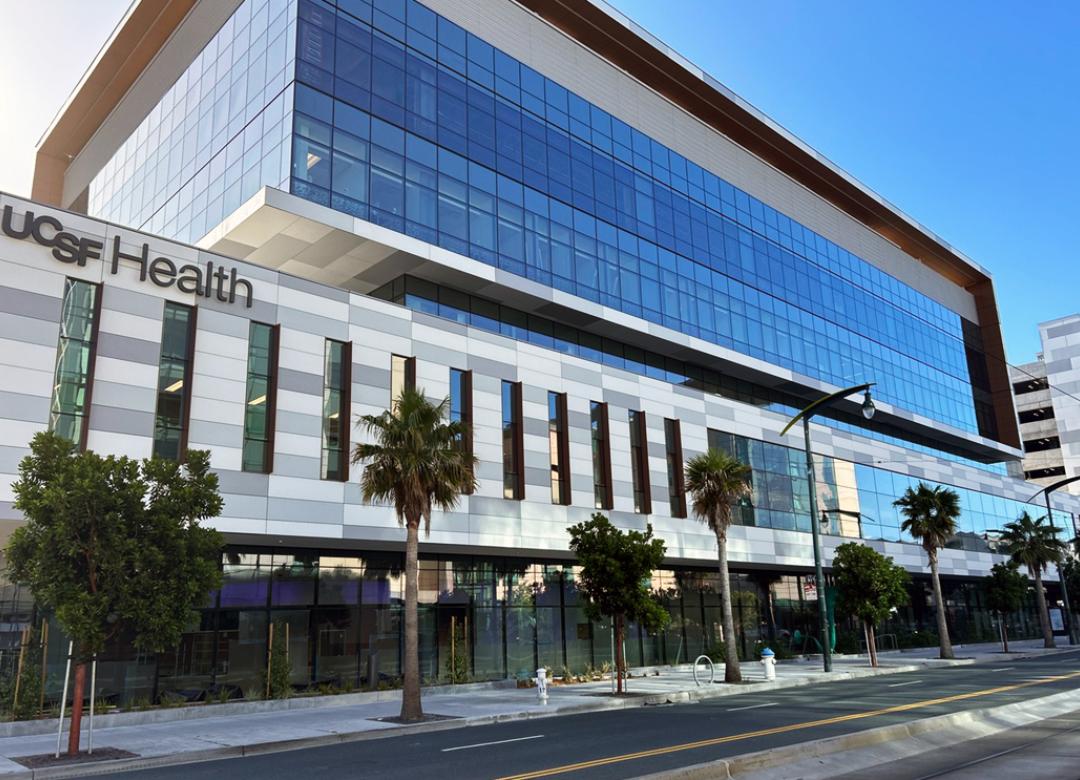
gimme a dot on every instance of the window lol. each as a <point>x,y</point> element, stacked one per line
<point>75,353</point>
<point>601,455</point>
<point>337,385</point>
<point>639,463</point>
<point>513,444</point>
<point>1034,415</point>
<point>675,477</point>
<point>261,398</point>
<point>1043,444</point>
<point>559,447</point>
<point>461,404</point>
<point>174,381</point>
<point>1033,385</point>
<point>1049,471</point>
<point>402,377</point>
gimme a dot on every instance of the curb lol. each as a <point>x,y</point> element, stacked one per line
<point>672,697</point>
<point>732,768</point>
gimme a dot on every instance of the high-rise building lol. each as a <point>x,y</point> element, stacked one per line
<point>1047,392</point>
<point>281,212</point>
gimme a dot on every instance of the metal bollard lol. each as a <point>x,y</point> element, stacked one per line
<point>541,685</point>
<point>768,660</point>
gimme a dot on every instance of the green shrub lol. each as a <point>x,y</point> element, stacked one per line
<point>279,670</point>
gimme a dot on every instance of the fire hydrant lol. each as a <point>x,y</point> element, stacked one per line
<point>768,660</point>
<point>541,685</point>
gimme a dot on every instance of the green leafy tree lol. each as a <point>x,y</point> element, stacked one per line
<point>870,586</point>
<point>716,482</point>
<point>615,570</point>
<point>417,463</point>
<point>1005,591</point>
<point>112,544</point>
<point>930,515</point>
<point>1035,544</point>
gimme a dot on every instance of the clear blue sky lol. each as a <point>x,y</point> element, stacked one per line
<point>965,115</point>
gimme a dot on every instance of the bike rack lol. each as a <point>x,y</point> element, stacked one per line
<point>712,669</point>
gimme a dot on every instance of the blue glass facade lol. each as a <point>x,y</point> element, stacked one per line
<point>218,135</point>
<point>407,120</point>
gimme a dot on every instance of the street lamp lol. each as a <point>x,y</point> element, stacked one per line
<point>1046,491</point>
<point>805,415</point>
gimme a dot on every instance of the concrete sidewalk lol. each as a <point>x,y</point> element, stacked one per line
<point>220,731</point>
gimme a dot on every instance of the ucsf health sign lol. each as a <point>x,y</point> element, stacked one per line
<point>211,281</point>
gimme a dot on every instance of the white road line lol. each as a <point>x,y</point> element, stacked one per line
<point>1004,669</point>
<point>909,682</point>
<point>753,706</point>
<point>486,744</point>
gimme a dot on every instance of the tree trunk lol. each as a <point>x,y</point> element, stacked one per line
<point>1044,616</point>
<point>620,662</point>
<point>939,602</point>
<point>410,694</point>
<point>871,643</point>
<point>78,690</point>
<point>1004,635</point>
<point>732,672</point>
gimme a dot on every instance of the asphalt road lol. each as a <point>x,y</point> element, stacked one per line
<point>639,741</point>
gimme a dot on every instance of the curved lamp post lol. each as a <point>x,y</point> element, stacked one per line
<point>1045,492</point>
<point>805,415</point>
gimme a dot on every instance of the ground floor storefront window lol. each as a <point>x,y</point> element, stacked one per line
<point>481,618</point>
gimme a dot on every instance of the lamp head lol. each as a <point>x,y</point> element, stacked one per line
<point>868,407</point>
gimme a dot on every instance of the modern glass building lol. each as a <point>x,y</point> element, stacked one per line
<point>606,260</point>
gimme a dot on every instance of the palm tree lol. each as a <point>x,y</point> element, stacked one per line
<point>416,462</point>
<point>930,515</point>
<point>716,481</point>
<point>1035,544</point>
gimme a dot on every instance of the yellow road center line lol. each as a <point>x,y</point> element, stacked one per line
<point>558,770</point>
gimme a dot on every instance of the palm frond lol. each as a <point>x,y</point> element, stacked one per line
<point>415,459</point>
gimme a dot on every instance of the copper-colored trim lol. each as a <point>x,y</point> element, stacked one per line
<point>517,416</point>
<point>346,408</point>
<point>608,499</point>
<point>271,400</point>
<point>467,415</point>
<point>95,327</point>
<point>997,369</point>
<point>640,464</point>
<point>562,447</point>
<point>131,49</point>
<point>189,380</point>
<point>597,30</point>
<point>673,445</point>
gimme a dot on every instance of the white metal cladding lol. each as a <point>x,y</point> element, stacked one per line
<point>293,503</point>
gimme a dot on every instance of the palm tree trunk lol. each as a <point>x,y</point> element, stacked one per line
<point>1044,616</point>
<point>939,601</point>
<point>410,694</point>
<point>871,643</point>
<point>732,672</point>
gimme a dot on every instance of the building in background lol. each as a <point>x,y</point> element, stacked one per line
<point>604,258</point>
<point>1047,393</point>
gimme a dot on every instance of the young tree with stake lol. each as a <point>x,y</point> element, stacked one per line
<point>615,570</point>
<point>112,544</point>
<point>870,587</point>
